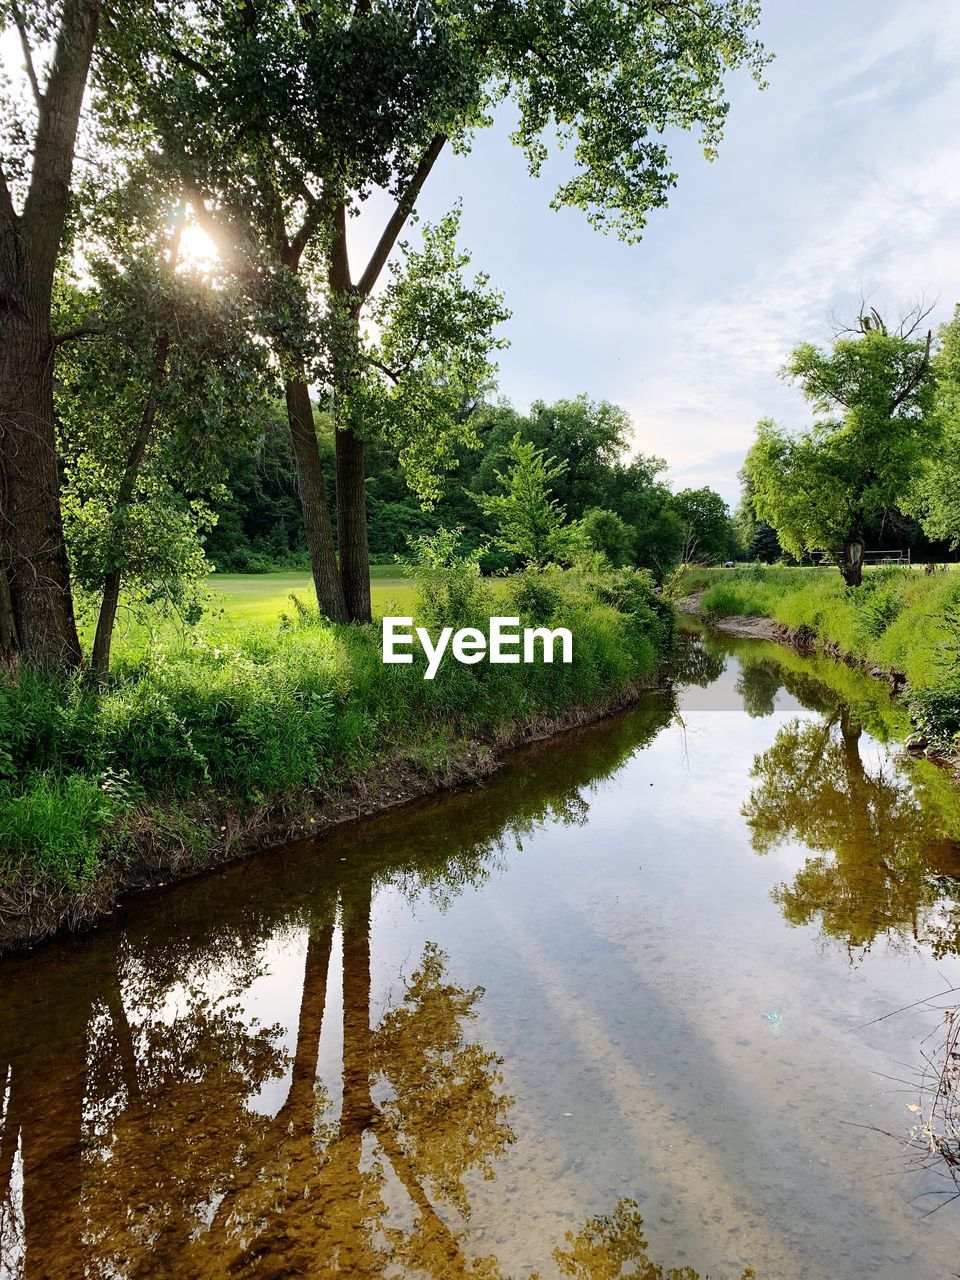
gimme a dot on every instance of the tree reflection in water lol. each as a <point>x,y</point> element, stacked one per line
<point>885,845</point>
<point>132,1144</point>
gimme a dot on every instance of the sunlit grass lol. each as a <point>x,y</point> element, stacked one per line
<point>898,619</point>
<point>247,598</point>
<point>241,711</point>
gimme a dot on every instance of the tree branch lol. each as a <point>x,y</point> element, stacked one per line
<point>391,373</point>
<point>399,216</point>
<point>27,55</point>
<point>81,331</point>
<point>914,382</point>
<point>190,63</point>
<point>339,269</point>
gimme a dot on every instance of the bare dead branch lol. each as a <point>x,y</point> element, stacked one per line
<point>914,381</point>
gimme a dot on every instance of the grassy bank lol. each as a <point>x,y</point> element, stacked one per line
<point>900,621</point>
<point>203,746</point>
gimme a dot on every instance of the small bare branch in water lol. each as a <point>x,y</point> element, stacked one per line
<point>935,1138</point>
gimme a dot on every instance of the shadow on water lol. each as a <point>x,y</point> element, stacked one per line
<point>134,1138</point>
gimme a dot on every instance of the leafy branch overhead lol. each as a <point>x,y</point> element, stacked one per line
<point>429,359</point>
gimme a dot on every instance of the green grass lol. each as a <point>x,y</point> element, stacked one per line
<point>242,712</point>
<point>900,620</point>
<point>262,597</point>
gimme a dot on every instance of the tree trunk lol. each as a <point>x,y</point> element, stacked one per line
<point>852,564</point>
<point>352,524</point>
<point>128,483</point>
<point>313,500</point>
<point>106,619</point>
<point>34,556</point>
<point>32,550</point>
<point>46,1103</point>
<point>9,641</point>
<point>357,1107</point>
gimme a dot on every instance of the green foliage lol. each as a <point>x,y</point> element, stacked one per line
<point>259,522</point>
<point>936,714</point>
<point>61,828</point>
<point>336,96</point>
<point>254,717</point>
<point>821,489</point>
<point>898,620</point>
<point>705,524</point>
<point>936,494</point>
<point>447,576</point>
<point>530,522</point>
<point>432,360</point>
<point>259,525</point>
<point>148,404</point>
<point>879,602</point>
<point>590,436</point>
<point>607,533</point>
<point>764,545</point>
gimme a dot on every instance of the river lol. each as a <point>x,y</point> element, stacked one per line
<point>629,1007</point>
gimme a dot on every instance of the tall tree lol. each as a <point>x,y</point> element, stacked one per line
<point>168,382</point>
<point>531,523</point>
<point>36,607</point>
<point>286,117</point>
<point>822,489</point>
<point>705,523</point>
<point>936,495</point>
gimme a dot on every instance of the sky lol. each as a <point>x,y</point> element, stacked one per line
<point>841,179</point>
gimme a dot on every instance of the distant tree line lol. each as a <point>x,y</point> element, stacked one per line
<point>619,502</point>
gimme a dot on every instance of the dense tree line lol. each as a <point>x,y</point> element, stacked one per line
<point>621,503</point>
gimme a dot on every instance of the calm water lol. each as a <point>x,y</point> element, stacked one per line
<point>600,1017</point>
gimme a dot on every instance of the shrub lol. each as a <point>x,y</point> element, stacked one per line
<point>62,827</point>
<point>254,717</point>
<point>897,619</point>
<point>450,592</point>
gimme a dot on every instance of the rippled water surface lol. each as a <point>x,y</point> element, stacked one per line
<point>615,1013</point>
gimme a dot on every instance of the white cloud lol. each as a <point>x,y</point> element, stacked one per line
<point>873,211</point>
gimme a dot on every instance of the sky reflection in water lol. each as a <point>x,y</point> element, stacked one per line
<point>596,1018</point>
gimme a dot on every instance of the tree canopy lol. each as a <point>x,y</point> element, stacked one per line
<point>821,488</point>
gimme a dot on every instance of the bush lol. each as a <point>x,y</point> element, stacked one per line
<point>450,592</point>
<point>256,718</point>
<point>936,714</point>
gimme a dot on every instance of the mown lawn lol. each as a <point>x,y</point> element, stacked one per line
<point>262,597</point>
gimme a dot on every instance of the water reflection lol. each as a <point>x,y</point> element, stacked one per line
<point>133,1141</point>
<point>242,1079</point>
<point>884,841</point>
